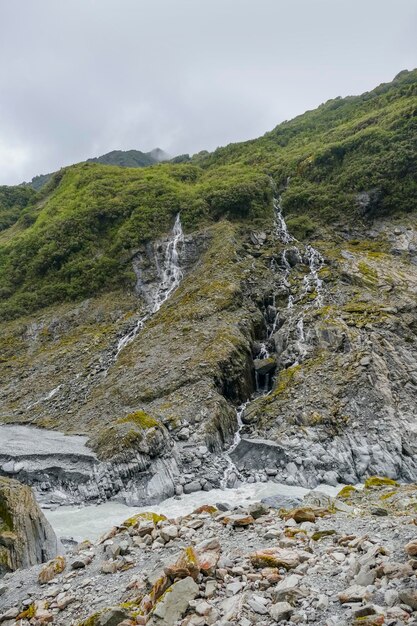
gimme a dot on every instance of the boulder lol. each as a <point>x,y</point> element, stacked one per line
<point>355,593</point>
<point>113,617</point>
<point>186,566</point>
<point>281,611</point>
<point>281,502</point>
<point>173,604</point>
<point>264,366</point>
<point>53,568</point>
<point>409,596</point>
<point>411,548</point>
<point>278,557</point>
<point>301,515</point>
<point>26,536</point>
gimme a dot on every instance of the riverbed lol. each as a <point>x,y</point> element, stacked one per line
<point>91,521</point>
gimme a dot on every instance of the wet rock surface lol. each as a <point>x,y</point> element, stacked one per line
<point>319,335</point>
<point>345,567</point>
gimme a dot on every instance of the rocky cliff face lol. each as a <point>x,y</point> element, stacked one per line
<point>332,402</point>
<point>26,537</point>
<point>310,324</point>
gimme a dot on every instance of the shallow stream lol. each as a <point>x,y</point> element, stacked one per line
<point>89,522</point>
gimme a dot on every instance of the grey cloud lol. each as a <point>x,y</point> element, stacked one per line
<point>81,77</point>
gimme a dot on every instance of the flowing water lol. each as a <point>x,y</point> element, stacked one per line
<point>231,473</point>
<point>171,275</point>
<point>312,284</point>
<point>90,522</point>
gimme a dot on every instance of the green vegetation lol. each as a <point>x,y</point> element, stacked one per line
<point>374,482</point>
<point>301,226</point>
<point>347,492</point>
<point>12,201</point>
<point>140,419</point>
<point>129,158</point>
<point>92,217</point>
<point>349,159</point>
<point>343,148</point>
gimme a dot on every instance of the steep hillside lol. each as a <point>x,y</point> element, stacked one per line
<point>121,158</point>
<point>131,158</point>
<point>291,288</point>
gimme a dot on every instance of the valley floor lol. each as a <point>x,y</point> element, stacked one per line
<point>330,562</point>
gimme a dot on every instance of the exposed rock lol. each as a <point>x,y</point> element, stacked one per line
<point>174,603</point>
<point>278,557</point>
<point>113,617</point>
<point>355,593</point>
<point>411,548</point>
<point>52,569</point>
<point>409,596</point>
<point>281,611</point>
<point>26,537</point>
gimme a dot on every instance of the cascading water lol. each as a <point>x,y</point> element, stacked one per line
<point>170,279</point>
<point>231,468</point>
<point>312,284</point>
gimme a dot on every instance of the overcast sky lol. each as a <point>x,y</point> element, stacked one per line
<point>79,78</point>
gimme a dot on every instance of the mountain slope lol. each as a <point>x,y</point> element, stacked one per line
<point>302,306</point>
<point>121,158</point>
<point>351,158</point>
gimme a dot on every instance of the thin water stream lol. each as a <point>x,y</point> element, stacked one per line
<point>171,276</point>
<point>311,283</point>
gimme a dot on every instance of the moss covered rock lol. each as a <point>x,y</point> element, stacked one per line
<point>375,482</point>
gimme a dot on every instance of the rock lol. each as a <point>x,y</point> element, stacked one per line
<point>264,366</point>
<point>258,604</point>
<point>365,577</point>
<point>375,482</point>
<point>79,563</point>
<point>113,617</point>
<point>364,611</point>
<point>10,614</point>
<point>63,600</point>
<point>173,604</point>
<point>50,570</point>
<point>257,509</point>
<point>409,596</point>
<point>355,593</point>
<point>186,566</point>
<point>192,487</point>
<point>108,567</point>
<point>26,536</point>
<point>379,511</point>
<point>238,520</point>
<point>281,502</point>
<point>208,561</point>
<point>301,515</point>
<point>278,557</point>
<point>281,611</point>
<point>233,588</point>
<point>169,532</point>
<point>286,588</point>
<point>211,587</point>
<point>203,608</point>
<point>208,545</point>
<point>411,548</point>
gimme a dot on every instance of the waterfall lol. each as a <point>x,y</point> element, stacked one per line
<point>281,229</point>
<point>171,276</point>
<point>172,273</point>
<point>231,467</point>
<point>311,284</point>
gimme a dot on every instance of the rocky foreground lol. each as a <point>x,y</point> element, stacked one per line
<point>349,560</point>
